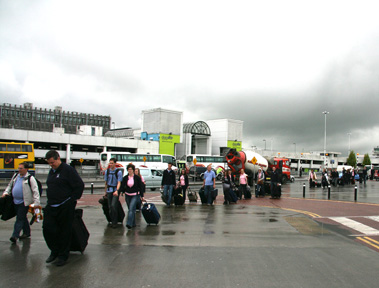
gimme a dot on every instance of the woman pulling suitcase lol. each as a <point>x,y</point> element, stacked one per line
<point>132,186</point>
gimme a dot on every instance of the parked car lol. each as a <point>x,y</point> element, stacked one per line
<point>152,177</point>
<point>197,172</point>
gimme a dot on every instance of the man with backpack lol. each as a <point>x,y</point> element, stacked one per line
<point>24,189</point>
<point>113,178</point>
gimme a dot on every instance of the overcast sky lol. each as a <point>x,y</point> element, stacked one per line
<point>276,65</point>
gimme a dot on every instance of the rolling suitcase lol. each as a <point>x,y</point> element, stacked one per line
<point>214,194</point>
<point>178,196</point>
<point>164,199</point>
<point>192,196</point>
<point>247,194</point>
<point>121,213</point>
<point>202,196</point>
<point>80,234</point>
<point>150,213</point>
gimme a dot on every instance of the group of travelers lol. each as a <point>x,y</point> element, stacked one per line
<point>64,188</point>
<point>232,192</point>
<point>346,177</point>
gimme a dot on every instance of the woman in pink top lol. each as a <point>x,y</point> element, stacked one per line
<point>132,186</point>
<point>183,179</point>
<point>243,184</point>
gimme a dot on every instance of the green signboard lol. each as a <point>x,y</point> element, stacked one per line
<point>167,143</point>
<point>235,144</point>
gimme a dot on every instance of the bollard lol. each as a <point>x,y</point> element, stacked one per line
<point>91,188</point>
<point>303,190</point>
<point>355,193</point>
<point>328,192</point>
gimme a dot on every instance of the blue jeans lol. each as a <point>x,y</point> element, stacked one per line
<point>131,201</point>
<point>112,205</point>
<point>208,193</point>
<point>167,192</point>
<point>259,189</point>
<point>21,220</point>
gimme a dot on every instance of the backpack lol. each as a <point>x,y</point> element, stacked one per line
<point>115,174</point>
<point>39,184</point>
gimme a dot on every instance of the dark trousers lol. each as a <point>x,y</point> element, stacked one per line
<point>112,205</point>
<point>21,220</point>
<point>184,188</point>
<point>57,228</point>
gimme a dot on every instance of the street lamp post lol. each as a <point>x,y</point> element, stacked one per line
<point>349,134</point>
<point>325,113</point>
<point>265,143</point>
<point>295,147</point>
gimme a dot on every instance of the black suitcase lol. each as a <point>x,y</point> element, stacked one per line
<point>80,234</point>
<point>178,196</point>
<point>192,196</point>
<point>164,199</point>
<point>214,194</point>
<point>121,213</point>
<point>247,193</point>
<point>150,213</point>
<point>202,196</point>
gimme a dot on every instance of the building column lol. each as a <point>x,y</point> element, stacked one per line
<point>68,154</point>
<point>298,167</point>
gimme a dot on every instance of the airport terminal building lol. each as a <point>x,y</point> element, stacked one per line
<point>84,136</point>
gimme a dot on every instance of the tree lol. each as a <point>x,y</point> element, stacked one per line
<point>366,160</point>
<point>352,160</point>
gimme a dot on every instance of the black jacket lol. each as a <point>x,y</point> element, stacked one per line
<point>136,188</point>
<point>275,176</point>
<point>63,183</point>
<point>168,177</point>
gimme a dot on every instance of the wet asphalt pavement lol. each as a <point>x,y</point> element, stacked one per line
<point>254,243</point>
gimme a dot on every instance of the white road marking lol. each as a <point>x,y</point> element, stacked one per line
<point>375,218</point>
<point>362,228</point>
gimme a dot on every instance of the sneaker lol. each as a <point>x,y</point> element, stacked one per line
<point>23,236</point>
<point>13,239</point>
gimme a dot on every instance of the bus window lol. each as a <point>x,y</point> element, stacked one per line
<point>3,147</point>
<point>26,148</point>
<point>14,147</point>
<point>103,157</point>
<point>167,159</point>
<point>157,158</point>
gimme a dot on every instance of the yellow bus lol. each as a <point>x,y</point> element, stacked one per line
<point>12,154</point>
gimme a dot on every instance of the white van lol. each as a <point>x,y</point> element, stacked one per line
<point>152,177</point>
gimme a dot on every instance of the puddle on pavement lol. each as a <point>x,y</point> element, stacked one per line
<point>272,220</point>
<point>168,232</point>
<point>209,232</point>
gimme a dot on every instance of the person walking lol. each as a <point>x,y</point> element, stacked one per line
<point>64,188</point>
<point>311,178</point>
<point>227,186</point>
<point>274,183</point>
<point>168,183</point>
<point>24,194</point>
<point>113,178</point>
<point>243,184</point>
<point>132,186</point>
<point>259,191</point>
<point>209,184</point>
<point>184,183</point>
<point>139,201</point>
<point>364,173</point>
